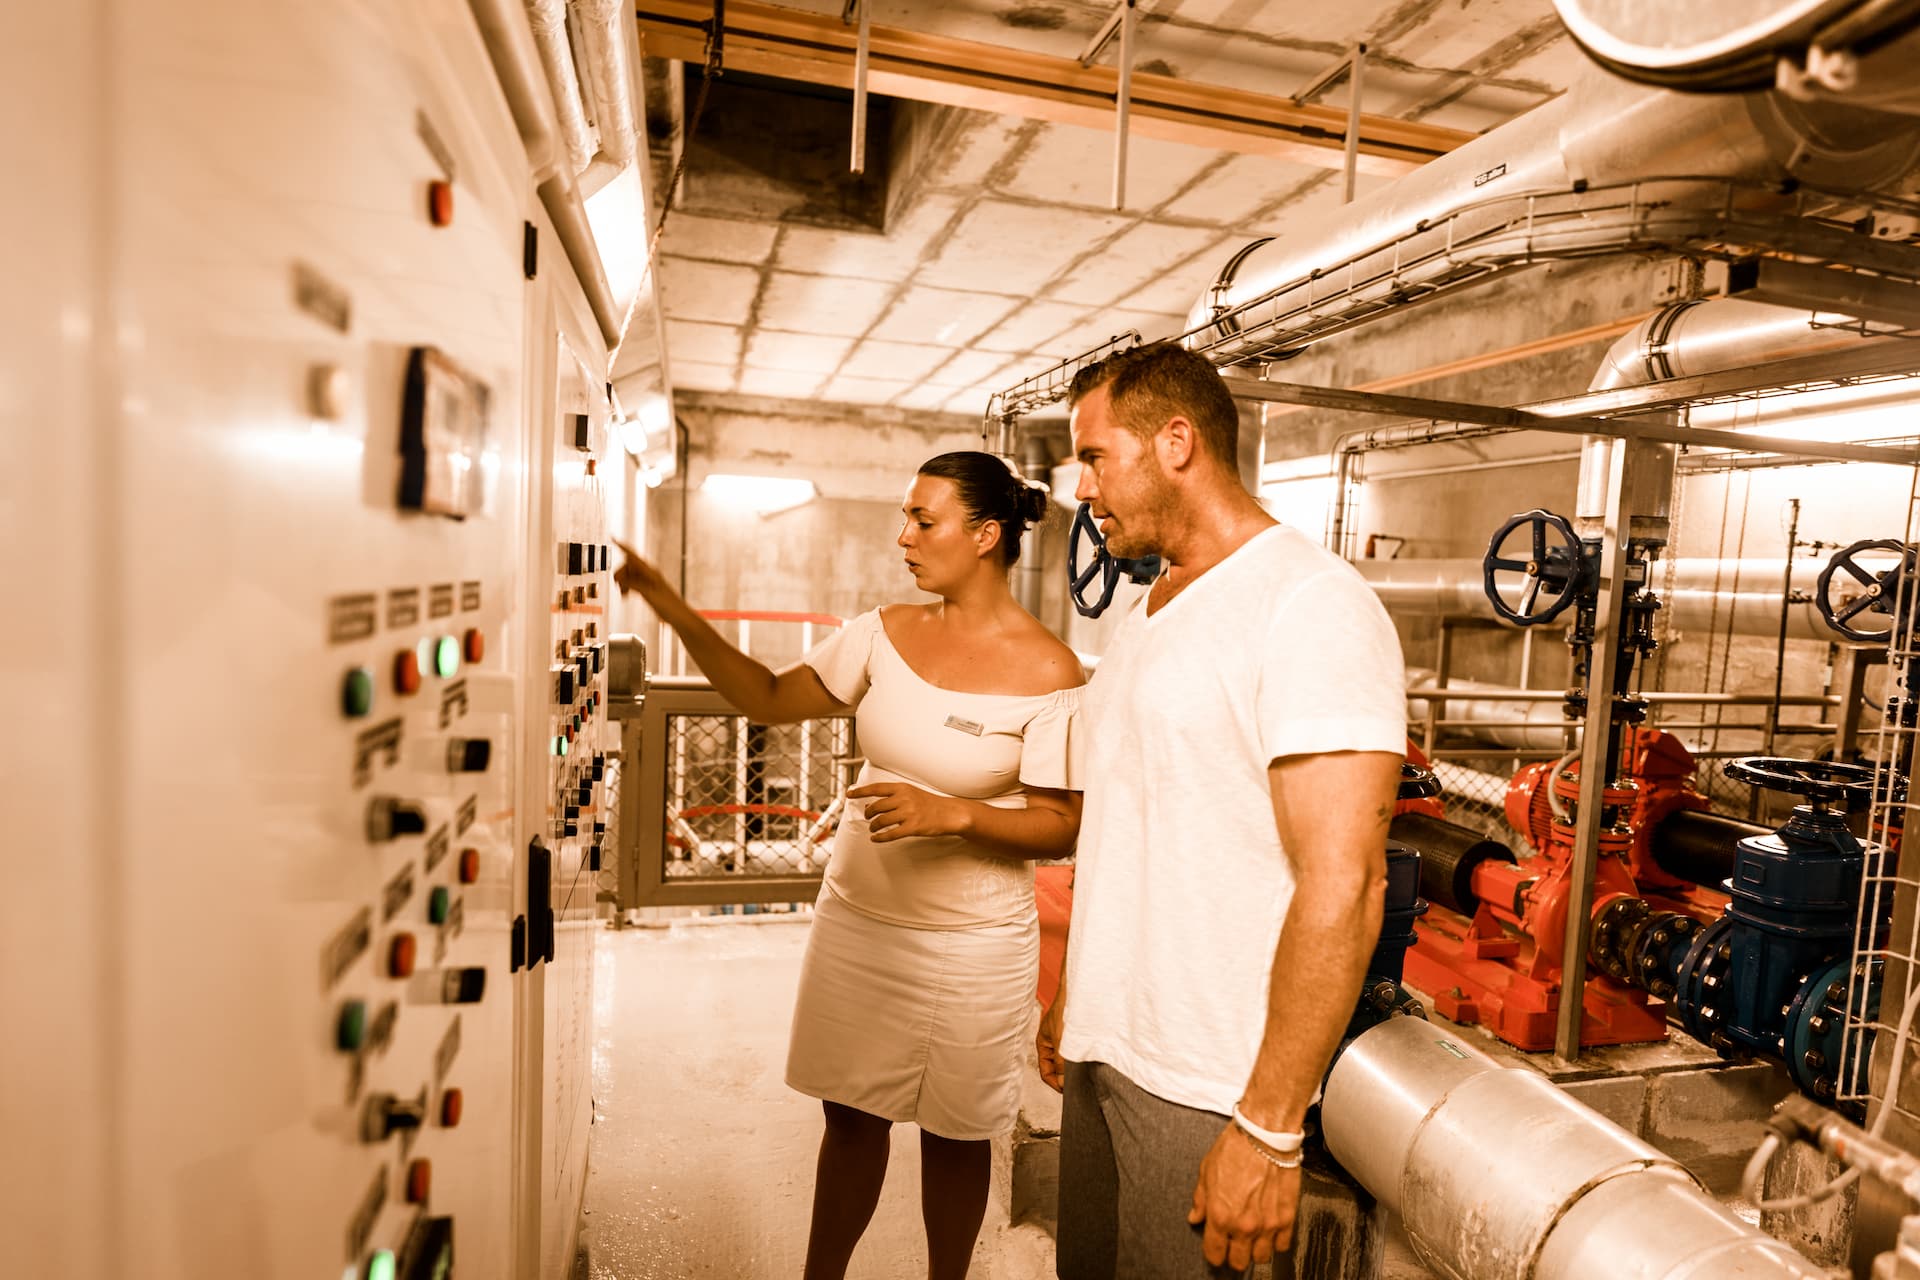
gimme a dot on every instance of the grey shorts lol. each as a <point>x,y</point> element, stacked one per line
<point>1128,1164</point>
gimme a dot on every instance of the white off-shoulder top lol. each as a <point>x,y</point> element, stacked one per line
<point>980,746</point>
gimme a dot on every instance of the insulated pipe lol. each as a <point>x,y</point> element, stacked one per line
<point>1498,1175</point>
<point>1602,132</point>
<point>1702,594</point>
<point>549,21</point>
<point>1688,338</point>
<point>610,76</point>
<point>516,64</point>
<point>530,98</point>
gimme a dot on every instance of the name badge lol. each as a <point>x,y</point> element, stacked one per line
<point>966,726</point>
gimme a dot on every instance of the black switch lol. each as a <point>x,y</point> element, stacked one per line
<point>540,921</point>
<point>566,686</point>
<point>571,812</point>
<point>428,1252</point>
<point>586,793</point>
<point>463,986</point>
<point>570,830</point>
<point>386,1115</point>
<point>469,755</point>
<point>582,431</point>
<point>529,250</point>
<point>599,656</point>
<point>576,557</point>
<point>599,828</point>
<point>593,858</point>
<point>389,819</point>
<point>599,767</point>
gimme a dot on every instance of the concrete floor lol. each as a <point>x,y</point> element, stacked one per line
<point>702,1158</point>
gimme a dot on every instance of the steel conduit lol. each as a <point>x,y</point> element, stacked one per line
<point>1498,1175</point>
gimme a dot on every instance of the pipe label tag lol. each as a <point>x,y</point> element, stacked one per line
<point>1453,1049</point>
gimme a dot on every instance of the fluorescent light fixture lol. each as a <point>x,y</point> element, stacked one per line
<point>655,415</point>
<point>763,495</point>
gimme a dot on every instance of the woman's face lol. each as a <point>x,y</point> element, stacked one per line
<point>941,550</point>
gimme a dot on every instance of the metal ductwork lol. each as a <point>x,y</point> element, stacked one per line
<point>1498,1175</point>
<point>1591,173</point>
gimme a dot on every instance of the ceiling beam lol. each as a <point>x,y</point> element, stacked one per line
<point>818,49</point>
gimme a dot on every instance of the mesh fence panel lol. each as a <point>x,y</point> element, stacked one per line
<point>746,799</point>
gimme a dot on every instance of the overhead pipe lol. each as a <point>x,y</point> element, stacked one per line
<point>514,55</point>
<point>1498,1174</point>
<point>603,41</point>
<point>548,18</point>
<point>1684,339</point>
<point>516,64</point>
<point>1467,214</point>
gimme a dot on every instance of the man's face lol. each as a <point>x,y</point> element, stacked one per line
<point>1121,479</point>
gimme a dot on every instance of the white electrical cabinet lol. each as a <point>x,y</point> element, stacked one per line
<point>305,431</point>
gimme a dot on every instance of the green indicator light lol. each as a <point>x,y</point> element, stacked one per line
<point>351,1031</point>
<point>381,1265</point>
<point>446,656</point>
<point>437,904</point>
<point>559,746</point>
<point>356,694</point>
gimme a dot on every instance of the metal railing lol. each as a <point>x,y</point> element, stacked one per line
<point>720,809</point>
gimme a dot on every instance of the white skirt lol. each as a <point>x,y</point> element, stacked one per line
<point>927,1026</point>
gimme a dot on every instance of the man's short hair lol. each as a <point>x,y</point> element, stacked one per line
<point>1148,385</point>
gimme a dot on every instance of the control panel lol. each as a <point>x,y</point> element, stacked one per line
<point>554,944</point>
<point>336,412</point>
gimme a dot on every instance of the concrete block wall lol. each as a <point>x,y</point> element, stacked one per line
<point>833,555</point>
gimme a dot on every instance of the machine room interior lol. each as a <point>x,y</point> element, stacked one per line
<point>361,828</point>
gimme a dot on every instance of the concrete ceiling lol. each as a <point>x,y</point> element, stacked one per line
<point>1002,255</point>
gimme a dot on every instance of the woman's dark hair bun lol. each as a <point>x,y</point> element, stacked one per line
<point>1033,504</point>
<point>989,489</point>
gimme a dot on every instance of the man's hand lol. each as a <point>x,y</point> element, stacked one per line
<point>1246,1201</point>
<point>1053,1068</point>
<point>896,811</point>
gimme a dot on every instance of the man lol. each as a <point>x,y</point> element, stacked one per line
<point>1243,738</point>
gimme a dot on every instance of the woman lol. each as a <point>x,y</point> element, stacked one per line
<point>919,975</point>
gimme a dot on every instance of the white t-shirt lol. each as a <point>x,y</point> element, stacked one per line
<point>1281,649</point>
<point>981,746</point>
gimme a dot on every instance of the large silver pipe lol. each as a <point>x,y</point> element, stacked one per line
<point>1498,1175</point>
<point>1029,576</point>
<point>1414,238</point>
<point>1705,594</point>
<point>1706,336</point>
